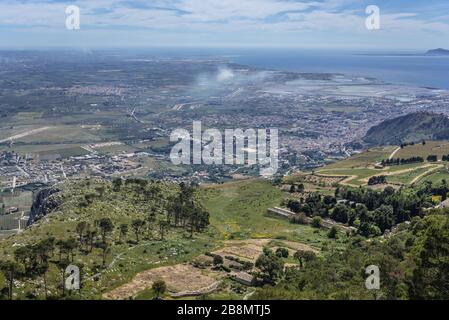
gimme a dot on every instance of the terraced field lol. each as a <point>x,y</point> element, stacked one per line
<point>357,170</point>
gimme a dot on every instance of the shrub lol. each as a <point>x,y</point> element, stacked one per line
<point>316,222</point>
<point>333,233</point>
<point>282,252</point>
<point>299,219</point>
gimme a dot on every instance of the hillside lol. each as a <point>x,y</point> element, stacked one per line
<point>168,237</point>
<point>413,127</point>
<point>125,235</point>
<point>110,230</point>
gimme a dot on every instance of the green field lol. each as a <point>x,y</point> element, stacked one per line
<point>238,210</point>
<point>364,159</point>
<point>438,148</point>
<point>357,170</point>
<point>436,177</point>
<point>63,152</point>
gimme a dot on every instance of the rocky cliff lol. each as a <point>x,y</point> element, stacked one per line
<point>44,202</point>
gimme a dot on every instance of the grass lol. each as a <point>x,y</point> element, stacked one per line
<point>63,134</point>
<point>359,168</point>
<point>64,152</point>
<point>436,177</point>
<point>364,159</point>
<point>406,178</point>
<point>238,211</point>
<point>438,148</point>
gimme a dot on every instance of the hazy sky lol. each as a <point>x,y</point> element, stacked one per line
<point>405,24</point>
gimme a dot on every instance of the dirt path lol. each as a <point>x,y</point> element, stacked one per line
<point>24,134</point>
<point>399,172</point>
<point>347,179</point>
<point>416,179</point>
<point>394,153</point>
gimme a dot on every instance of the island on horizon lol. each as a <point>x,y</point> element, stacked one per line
<point>438,52</point>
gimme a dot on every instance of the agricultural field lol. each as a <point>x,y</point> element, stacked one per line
<point>438,148</point>
<point>52,134</point>
<point>436,176</point>
<point>357,170</point>
<point>365,159</point>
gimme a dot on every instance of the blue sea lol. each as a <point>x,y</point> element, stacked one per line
<point>408,68</point>
<point>399,68</point>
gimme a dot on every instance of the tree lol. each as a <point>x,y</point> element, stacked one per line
<point>104,246</point>
<point>271,265</point>
<point>43,251</point>
<point>340,213</point>
<point>42,269</point>
<point>106,227</point>
<point>123,231</point>
<point>150,220</point>
<point>282,252</point>
<point>26,256</point>
<point>91,236</point>
<point>11,270</point>
<point>69,246</point>
<point>137,226</point>
<point>163,226</point>
<point>80,228</point>
<point>117,184</point>
<point>62,265</point>
<point>431,275</point>
<point>294,206</point>
<point>304,256</point>
<point>384,217</point>
<point>159,287</point>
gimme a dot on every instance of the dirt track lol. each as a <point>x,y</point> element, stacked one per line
<point>24,134</point>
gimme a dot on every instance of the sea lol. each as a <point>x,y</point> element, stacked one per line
<point>413,69</point>
<point>408,68</point>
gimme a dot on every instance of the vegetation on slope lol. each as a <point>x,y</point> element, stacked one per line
<point>413,265</point>
<point>110,231</point>
<point>413,127</point>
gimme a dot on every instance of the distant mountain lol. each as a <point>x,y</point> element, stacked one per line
<point>413,127</point>
<point>438,52</point>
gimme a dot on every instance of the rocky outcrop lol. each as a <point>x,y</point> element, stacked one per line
<point>44,202</point>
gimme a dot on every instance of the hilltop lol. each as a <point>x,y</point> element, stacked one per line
<point>413,127</point>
